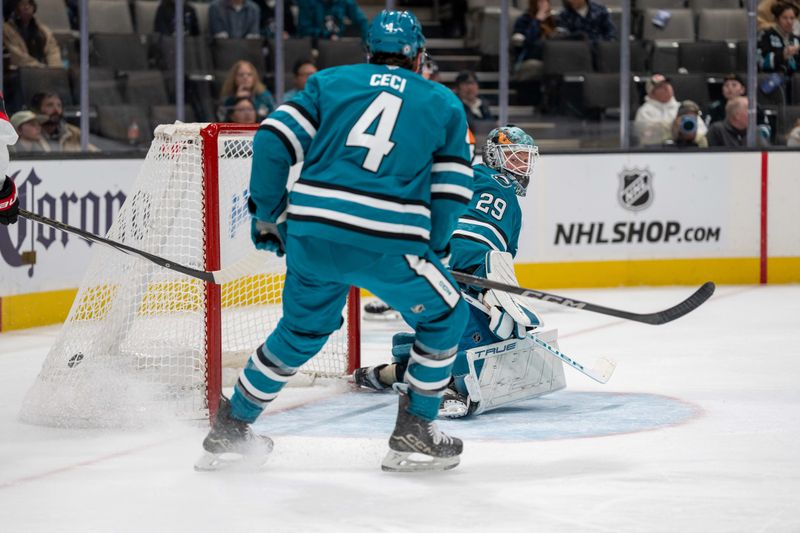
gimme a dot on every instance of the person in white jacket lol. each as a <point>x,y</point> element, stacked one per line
<point>653,122</point>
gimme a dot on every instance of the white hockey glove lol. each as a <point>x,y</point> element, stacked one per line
<point>505,323</point>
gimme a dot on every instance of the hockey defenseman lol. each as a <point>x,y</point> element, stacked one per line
<point>483,244</point>
<point>386,176</point>
<point>9,203</point>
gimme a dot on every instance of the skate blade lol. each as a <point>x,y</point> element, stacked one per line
<point>407,462</point>
<point>253,460</point>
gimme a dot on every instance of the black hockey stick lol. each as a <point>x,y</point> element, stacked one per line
<point>660,317</point>
<point>218,276</point>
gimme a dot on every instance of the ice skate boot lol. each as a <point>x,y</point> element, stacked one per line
<point>231,442</point>
<point>381,377</point>
<point>379,310</point>
<point>455,404</point>
<point>414,436</point>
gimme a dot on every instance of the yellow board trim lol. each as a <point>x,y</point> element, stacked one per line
<point>783,270</point>
<point>726,271</point>
<point>39,309</point>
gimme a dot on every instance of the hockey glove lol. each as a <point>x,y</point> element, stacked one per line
<point>266,236</point>
<point>9,203</point>
<point>503,324</point>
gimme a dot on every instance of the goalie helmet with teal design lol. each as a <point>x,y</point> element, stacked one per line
<point>395,32</point>
<point>513,153</point>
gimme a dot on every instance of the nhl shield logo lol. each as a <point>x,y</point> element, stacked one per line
<point>635,189</point>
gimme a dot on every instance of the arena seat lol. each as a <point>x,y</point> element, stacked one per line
<point>145,87</point>
<point>226,52</point>
<point>114,120</point>
<point>120,51</point>
<point>705,57</point>
<point>34,80</point>
<point>110,16</point>
<point>722,25</point>
<point>342,52</point>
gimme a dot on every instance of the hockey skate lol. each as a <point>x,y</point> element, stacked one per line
<point>414,436</point>
<point>378,310</point>
<point>455,405</point>
<point>369,377</point>
<point>231,442</point>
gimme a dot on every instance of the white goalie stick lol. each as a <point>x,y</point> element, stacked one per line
<point>601,372</point>
<point>242,267</point>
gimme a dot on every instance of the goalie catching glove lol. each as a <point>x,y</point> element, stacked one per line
<point>508,315</point>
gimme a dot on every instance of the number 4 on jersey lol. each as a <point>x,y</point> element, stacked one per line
<point>385,108</point>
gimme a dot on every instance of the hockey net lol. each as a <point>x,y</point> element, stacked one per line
<point>145,343</point>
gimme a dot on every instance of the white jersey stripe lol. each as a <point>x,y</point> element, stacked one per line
<point>366,223</point>
<point>433,386</point>
<point>479,237</point>
<point>431,363</point>
<point>368,201</point>
<point>287,131</point>
<point>435,277</point>
<point>254,392</point>
<point>458,168</point>
<point>299,118</point>
<point>486,225</point>
<point>458,190</point>
<point>267,371</point>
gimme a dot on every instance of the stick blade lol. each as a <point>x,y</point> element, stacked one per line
<point>603,370</point>
<point>687,306</point>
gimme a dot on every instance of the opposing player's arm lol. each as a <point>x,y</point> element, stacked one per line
<point>281,141</point>
<point>451,180</point>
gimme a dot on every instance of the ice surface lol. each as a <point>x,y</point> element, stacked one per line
<point>701,423</point>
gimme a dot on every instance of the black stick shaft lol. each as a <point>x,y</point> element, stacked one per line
<point>166,263</point>
<point>661,317</point>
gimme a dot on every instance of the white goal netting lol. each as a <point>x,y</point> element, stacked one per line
<point>142,342</point>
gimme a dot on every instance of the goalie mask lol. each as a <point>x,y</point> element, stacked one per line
<point>511,152</point>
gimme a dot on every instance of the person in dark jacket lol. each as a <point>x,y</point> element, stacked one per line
<point>585,19</point>
<point>164,22</point>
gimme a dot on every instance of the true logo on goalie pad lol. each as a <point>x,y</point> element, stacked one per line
<point>635,188</point>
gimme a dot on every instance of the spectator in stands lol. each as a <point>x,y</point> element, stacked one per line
<point>733,85</point>
<point>765,18</point>
<point>267,23</point>
<point>779,47</point>
<point>30,133</point>
<point>686,127</point>
<point>324,19</point>
<point>733,130</point>
<point>303,68</point>
<point>242,111</point>
<point>28,42</point>
<point>234,19</point>
<point>243,81</point>
<point>654,118</point>
<point>61,136</point>
<point>478,113</point>
<point>793,139</point>
<point>530,29</point>
<point>164,22</point>
<point>585,19</point>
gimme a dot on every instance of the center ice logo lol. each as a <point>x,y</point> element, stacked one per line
<point>635,189</point>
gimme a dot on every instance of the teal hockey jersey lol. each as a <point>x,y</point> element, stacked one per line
<point>492,222</point>
<point>385,160</point>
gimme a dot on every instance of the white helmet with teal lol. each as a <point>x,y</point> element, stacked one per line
<point>395,32</point>
<point>513,153</point>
